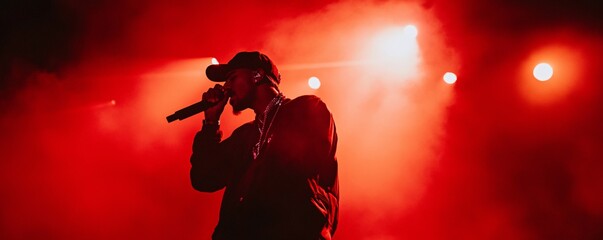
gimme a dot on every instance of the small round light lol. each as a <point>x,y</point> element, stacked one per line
<point>543,72</point>
<point>314,82</point>
<point>449,77</point>
<point>411,31</point>
<point>113,102</point>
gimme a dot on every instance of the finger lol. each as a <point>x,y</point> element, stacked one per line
<point>211,97</point>
<point>222,101</point>
<point>219,89</point>
<point>217,94</point>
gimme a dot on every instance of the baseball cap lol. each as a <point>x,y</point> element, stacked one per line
<point>249,60</point>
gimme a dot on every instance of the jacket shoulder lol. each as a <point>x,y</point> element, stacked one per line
<point>247,128</point>
<point>309,101</point>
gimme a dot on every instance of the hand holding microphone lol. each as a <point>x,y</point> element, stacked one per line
<point>213,102</point>
<point>218,98</point>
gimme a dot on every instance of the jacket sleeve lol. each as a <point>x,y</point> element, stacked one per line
<point>210,161</point>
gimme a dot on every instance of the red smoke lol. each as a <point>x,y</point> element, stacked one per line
<point>419,159</point>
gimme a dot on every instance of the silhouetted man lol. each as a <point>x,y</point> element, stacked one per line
<point>280,170</point>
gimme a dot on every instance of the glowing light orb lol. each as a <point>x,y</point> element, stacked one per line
<point>214,61</point>
<point>394,54</point>
<point>314,82</point>
<point>543,72</point>
<point>411,31</point>
<point>449,77</point>
<point>113,102</point>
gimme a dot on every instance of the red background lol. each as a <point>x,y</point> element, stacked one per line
<point>498,155</point>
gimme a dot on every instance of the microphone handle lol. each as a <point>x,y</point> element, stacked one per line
<point>189,111</point>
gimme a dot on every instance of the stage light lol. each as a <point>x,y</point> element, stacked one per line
<point>394,53</point>
<point>562,61</point>
<point>449,77</point>
<point>314,82</point>
<point>390,44</point>
<point>543,72</point>
<point>411,31</point>
<point>214,61</point>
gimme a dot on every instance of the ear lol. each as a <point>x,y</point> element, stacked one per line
<point>258,76</point>
<point>259,73</point>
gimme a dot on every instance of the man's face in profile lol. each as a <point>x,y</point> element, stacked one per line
<point>239,83</point>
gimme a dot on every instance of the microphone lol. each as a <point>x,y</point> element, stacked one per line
<point>192,110</point>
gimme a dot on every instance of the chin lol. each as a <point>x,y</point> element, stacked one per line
<point>238,105</point>
<point>237,109</point>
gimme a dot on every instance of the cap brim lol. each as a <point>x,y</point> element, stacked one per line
<point>217,72</point>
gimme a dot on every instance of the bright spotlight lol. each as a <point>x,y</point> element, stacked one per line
<point>449,77</point>
<point>543,72</point>
<point>314,83</point>
<point>394,53</point>
<point>214,61</point>
<point>395,43</point>
<point>411,31</point>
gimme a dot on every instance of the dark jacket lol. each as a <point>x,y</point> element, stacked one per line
<point>290,191</point>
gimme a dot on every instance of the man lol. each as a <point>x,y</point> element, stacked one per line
<point>280,170</point>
